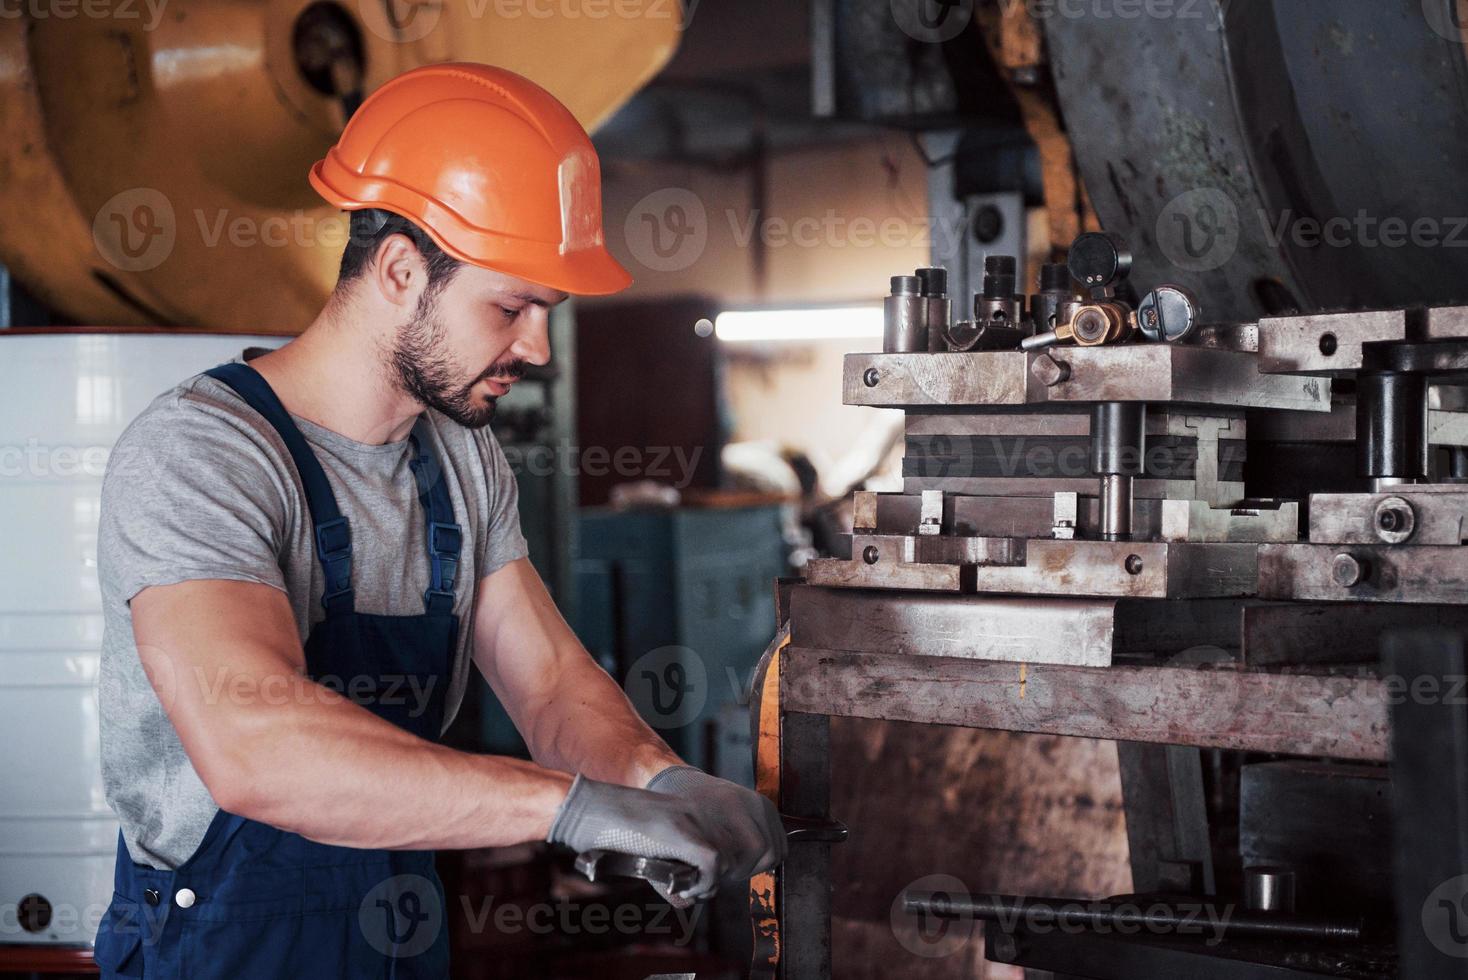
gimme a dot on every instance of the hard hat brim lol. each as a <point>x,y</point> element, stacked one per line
<point>590,271</point>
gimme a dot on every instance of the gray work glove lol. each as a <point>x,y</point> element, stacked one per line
<point>723,837</point>
<point>746,827</point>
<point>599,816</point>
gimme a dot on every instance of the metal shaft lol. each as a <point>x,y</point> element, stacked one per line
<point>905,328</point>
<point>1016,910</point>
<point>1118,444</point>
<point>1391,426</point>
<point>1116,507</point>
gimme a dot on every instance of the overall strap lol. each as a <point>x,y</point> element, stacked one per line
<point>445,539</point>
<point>332,535</point>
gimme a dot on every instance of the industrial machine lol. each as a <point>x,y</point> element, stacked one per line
<point>1235,548</point>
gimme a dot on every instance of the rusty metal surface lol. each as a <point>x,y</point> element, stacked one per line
<point>1292,714</point>
<point>1393,573</point>
<point>993,807</point>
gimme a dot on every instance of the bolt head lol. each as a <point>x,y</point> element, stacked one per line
<point>871,378</point>
<point>1134,564</point>
<point>870,554</point>
<point>1049,370</point>
<point>1347,570</point>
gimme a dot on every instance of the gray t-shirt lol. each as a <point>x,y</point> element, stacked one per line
<point>200,486</point>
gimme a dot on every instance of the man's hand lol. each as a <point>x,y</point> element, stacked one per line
<point>719,828</point>
<point>749,835</point>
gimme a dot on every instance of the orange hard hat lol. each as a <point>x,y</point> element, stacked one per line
<point>489,164</point>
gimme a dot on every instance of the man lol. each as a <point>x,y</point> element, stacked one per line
<point>300,557</point>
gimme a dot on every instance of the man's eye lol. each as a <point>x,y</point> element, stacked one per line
<point>509,313</point>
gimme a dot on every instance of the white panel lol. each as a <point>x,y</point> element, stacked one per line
<point>64,401</point>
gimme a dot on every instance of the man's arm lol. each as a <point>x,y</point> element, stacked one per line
<point>273,746</point>
<point>573,716</point>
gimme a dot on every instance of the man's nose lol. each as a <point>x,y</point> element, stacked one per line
<point>533,343</point>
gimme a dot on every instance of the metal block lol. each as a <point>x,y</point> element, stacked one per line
<point>864,511</point>
<point>1065,517</point>
<point>903,380</point>
<point>1445,323</point>
<point>930,514</point>
<point>1142,489</point>
<point>1324,343</point>
<point>1197,520</point>
<point>1364,573</point>
<point>1059,631</point>
<point>1174,373</point>
<point>939,563</point>
<point>1137,569</point>
<point>954,563</point>
<point>1153,373</point>
<point>1420,515</point>
<point>1013,517</point>
<point>1068,420</point>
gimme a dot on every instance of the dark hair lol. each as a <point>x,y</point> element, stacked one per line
<point>370,227</point>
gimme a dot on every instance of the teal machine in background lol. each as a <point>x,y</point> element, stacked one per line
<point>678,605</point>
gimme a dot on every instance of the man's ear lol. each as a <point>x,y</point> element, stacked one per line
<point>398,271</point>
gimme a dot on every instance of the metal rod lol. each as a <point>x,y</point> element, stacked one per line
<point>1202,917</point>
<point>1391,425</point>
<point>1118,443</point>
<point>1116,507</point>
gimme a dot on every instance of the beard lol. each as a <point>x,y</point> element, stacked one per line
<point>424,368</point>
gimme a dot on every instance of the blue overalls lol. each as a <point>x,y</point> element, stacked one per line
<point>257,902</point>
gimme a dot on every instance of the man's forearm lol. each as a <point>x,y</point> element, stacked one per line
<point>334,773</point>
<point>587,725</point>
<point>274,746</point>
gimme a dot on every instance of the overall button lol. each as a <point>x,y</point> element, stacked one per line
<point>184,897</point>
<point>150,895</point>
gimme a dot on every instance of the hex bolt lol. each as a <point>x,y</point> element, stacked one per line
<point>1050,370</point>
<point>871,378</point>
<point>870,554</point>
<point>1133,564</point>
<point>1348,570</point>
